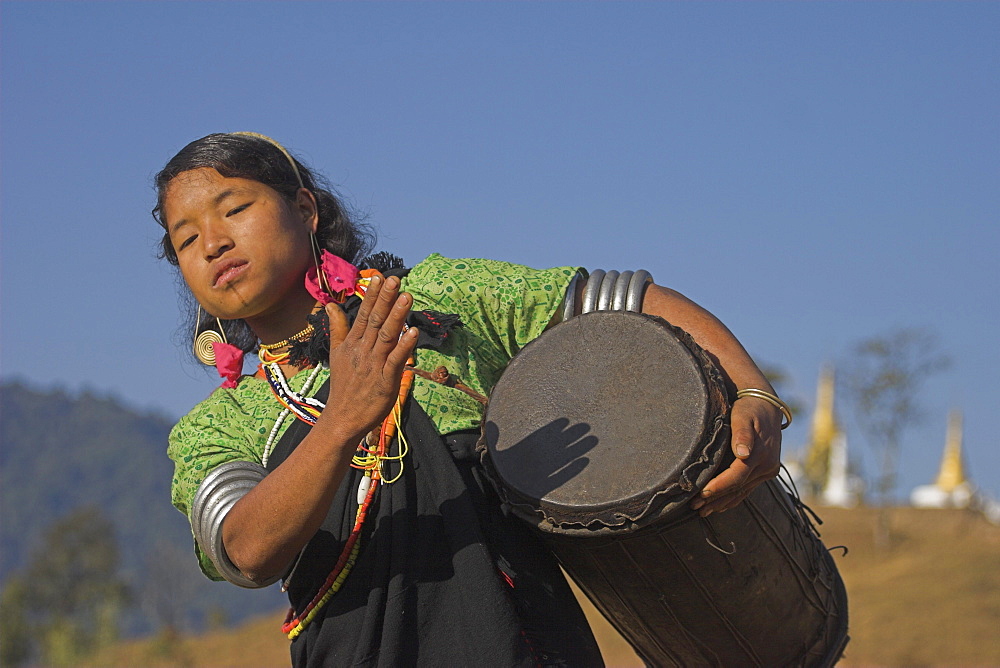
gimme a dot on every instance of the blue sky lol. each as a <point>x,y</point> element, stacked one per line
<point>812,173</point>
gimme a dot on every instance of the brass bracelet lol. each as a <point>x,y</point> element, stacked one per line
<point>771,399</point>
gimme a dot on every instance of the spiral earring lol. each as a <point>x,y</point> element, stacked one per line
<point>203,342</point>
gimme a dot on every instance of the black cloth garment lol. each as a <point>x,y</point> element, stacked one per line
<point>432,584</point>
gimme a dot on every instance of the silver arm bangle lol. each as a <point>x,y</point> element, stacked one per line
<point>613,291</point>
<point>215,497</point>
<point>637,285</point>
<point>569,301</point>
<point>620,292</point>
<point>607,290</point>
<point>590,292</point>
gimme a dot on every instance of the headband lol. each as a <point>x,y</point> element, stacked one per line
<point>278,146</point>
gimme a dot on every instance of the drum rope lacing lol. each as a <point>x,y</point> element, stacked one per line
<point>805,513</point>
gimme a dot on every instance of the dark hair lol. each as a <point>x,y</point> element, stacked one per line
<point>250,157</point>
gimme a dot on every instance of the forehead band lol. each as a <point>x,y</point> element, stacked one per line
<point>278,146</point>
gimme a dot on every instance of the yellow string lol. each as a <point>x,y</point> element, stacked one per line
<point>369,461</point>
<point>404,448</point>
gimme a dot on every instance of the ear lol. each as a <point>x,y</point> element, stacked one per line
<point>305,203</point>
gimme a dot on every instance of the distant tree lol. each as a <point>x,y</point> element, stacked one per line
<point>15,631</point>
<point>883,382</point>
<point>70,593</point>
<point>104,453</point>
<point>169,586</point>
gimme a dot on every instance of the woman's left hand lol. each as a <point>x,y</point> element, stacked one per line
<point>756,442</point>
<point>756,424</point>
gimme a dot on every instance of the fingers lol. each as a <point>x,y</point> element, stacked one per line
<point>725,498</point>
<point>383,302</point>
<point>398,356</point>
<point>395,318</point>
<point>374,340</point>
<point>339,329</point>
<point>733,485</point>
<point>743,438</point>
<point>730,481</point>
<point>368,364</point>
<point>727,503</point>
<point>748,420</point>
<point>364,311</point>
<point>756,442</point>
<point>381,315</point>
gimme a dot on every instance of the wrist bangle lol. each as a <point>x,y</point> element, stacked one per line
<point>771,399</point>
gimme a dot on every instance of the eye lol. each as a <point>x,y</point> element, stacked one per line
<point>187,242</point>
<point>241,207</point>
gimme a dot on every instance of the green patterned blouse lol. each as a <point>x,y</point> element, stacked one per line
<point>502,306</point>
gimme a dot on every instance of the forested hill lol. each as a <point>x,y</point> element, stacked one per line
<point>61,453</point>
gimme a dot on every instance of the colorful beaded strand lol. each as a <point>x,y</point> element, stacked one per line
<point>333,582</point>
<point>390,425</point>
<point>305,408</point>
<point>337,576</point>
<point>273,436</point>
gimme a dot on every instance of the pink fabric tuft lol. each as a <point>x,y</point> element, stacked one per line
<point>340,274</point>
<point>229,362</point>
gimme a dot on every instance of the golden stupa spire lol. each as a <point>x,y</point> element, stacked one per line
<point>952,472</point>
<point>824,430</point>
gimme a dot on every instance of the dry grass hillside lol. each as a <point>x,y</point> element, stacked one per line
<point>932,599</point>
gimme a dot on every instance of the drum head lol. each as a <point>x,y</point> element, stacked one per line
<point>606,422</point>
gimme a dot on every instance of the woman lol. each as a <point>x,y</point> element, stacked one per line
<point>393,551</point>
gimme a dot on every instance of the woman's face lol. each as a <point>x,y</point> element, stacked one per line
<point>242,248</point>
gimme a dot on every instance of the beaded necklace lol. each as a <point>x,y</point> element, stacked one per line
<point>303,407</point>
<point>294,337</point>
<point>371,461</point>
<point>265,351</point>
<point>273,436</point>
<point>370,457</point>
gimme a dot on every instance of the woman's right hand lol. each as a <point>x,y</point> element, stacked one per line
<point>366,366</point>
<point>367,360</point>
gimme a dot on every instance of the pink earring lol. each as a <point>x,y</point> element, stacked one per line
<point>212,349</point>
<point>332,278</point>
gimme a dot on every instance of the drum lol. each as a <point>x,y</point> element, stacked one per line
<point>598,434</point>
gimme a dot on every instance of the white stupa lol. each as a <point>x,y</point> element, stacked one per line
<point>951,489</point>
<point>825,469</point>
<point>991,510</point>
<point>842,489</point>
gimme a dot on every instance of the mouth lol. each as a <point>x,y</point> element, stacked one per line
<point>227,271</point>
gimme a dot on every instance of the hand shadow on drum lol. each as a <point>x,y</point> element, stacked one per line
<point>546,459</point>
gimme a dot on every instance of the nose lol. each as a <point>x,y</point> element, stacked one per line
<point>216,240</point>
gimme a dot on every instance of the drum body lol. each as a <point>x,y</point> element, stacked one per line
<point>599,434</point>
